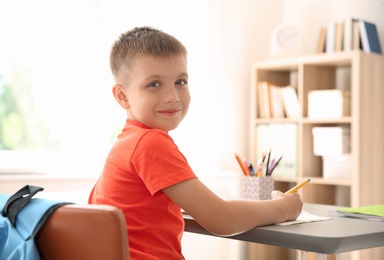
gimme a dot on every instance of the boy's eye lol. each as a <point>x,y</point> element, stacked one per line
<point>153,85</point>
<point>181,82</point>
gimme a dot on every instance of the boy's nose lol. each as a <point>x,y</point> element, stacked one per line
<point>171,96</point>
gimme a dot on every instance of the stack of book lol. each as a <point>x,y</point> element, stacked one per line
<point>277,101</point>
<point>351,34</point>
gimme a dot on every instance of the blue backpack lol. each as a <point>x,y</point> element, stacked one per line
<point>21,220</point>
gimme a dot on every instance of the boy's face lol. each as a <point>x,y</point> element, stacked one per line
<point>157,91</point>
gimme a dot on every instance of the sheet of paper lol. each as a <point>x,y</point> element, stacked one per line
<point>372,212</point>
<point>304,217</point>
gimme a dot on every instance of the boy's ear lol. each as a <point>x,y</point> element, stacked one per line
<point>120,95</point>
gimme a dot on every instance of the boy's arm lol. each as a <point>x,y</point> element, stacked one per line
<point>229,217</point>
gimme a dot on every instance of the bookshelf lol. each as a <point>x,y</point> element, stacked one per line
<point>363,75</point>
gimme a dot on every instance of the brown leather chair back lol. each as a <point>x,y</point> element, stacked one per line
<point>82,232</point>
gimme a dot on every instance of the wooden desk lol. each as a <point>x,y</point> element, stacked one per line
<point>325,237</point>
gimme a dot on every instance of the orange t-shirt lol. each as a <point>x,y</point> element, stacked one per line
<point>141,163</point>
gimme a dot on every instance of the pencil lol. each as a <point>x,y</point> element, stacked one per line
<point>243,167</point>
<point>298,186</point>
<point>267,169</point>
<point>274,166</point>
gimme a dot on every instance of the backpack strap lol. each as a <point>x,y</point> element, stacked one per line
<point>29,215</point>
<point>18,201</point>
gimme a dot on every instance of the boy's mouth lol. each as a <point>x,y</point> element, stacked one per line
<point>170,112</point>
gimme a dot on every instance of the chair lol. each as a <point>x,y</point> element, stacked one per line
<point>84,232</point>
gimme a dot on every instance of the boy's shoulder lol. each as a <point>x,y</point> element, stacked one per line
<point>139,133</point>
<point>155,135</point>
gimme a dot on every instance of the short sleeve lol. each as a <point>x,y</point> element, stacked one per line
<point>159,163</point>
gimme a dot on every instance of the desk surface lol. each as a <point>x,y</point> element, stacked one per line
<point>334,236</point>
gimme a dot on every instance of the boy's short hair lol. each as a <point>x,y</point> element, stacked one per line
<point>141,41</point>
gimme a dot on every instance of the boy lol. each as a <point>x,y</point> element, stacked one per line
<point>145,174</point>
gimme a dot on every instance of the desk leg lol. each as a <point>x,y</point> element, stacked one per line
<point>325,257</point>
<point>319,256</point>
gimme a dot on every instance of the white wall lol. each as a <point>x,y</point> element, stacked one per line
<point>244,35</point>
<point>223,38</point>
<point>239,33</point>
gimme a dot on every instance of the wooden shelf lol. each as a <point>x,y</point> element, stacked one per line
<point>364,77</point>
<point>305,120</point>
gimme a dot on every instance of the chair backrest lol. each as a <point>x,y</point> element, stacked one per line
<point>84,232</point>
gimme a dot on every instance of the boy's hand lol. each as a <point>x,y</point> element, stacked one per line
<point>292,202</point>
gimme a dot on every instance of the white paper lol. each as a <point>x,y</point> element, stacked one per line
<point>304,217</point>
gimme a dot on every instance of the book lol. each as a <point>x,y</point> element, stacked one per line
<point>371,212</point>
<point>356,42</point>
<point>348,33</point>
<point>330,38</point>
<point>269,100</point>
<point>263,99</point>
<point>260,100</point>
<point>369,37</point>
<point>291,102</point>
<point>321,40</point>
<point>276,101</point>
<point>338,37</point>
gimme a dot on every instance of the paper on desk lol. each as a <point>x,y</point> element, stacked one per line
<point>304,217</point>
<point>372,212</point>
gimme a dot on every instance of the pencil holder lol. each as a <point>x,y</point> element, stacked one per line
<point>257,188</point>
